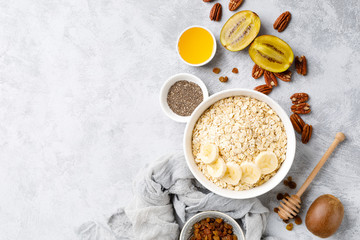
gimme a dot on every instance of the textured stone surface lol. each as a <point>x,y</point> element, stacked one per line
<point>79,109</point>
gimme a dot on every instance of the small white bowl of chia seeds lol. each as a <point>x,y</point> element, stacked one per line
<point>181,94</point>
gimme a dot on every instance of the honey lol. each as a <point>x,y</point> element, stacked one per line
<point>195,45</point>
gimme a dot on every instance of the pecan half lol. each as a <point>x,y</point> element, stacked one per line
<point>297,122</point>
<point>301,108</point>
<point>306,134</point>
<point>263,89</point>
<point>297,98</point>
<point>284,76</point>
<point>234,4</point>
<point>257,72</point>
<point>282,21</point>
<point>215,13</point>
<point>301,65</point>
<point>270,79</point>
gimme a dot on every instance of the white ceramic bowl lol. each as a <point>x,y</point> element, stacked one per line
<point>212,54</point>
<point>165,89</point>
<point>187,230</point>
<point>272,182</point>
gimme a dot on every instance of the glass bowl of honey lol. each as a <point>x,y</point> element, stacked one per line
<point>196,46</point>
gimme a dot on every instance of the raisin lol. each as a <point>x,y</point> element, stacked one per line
<point>298,220</point>
<point>276,210</point>
<point>210,228</point>
<point>223,79</point>
<point>280,196</point>
<point>216,70</point>
<point>289,227</point>
<point>286,182</point>
<point>235,70</point>
<point>292,185</point>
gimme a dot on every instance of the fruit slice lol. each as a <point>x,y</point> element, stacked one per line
<point>267,162</point>
<point>217,169</point>
<point>233,173</point>
<point>271,53</point>
<point>240,30</point>
<point>209,153</point>
<point>250,173</point>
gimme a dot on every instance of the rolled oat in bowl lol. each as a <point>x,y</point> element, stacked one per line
<point>239,143</point>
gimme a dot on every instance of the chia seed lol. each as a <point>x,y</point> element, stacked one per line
<point>183,97</point>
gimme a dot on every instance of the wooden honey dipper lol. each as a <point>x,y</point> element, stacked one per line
<point>290,206</point>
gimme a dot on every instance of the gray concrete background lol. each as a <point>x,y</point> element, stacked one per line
<point>79,109</point>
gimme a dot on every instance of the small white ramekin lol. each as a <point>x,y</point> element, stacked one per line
<point>165,89</point>
<point>187,230</point>
<point>213,52</point>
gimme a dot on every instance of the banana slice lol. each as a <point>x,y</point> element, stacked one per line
<point>233,173</point>
<point>209,153</point>
<point>250,173</point>
<point>217,169</point>
<point>267,162</point>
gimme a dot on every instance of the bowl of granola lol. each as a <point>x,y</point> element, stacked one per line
<point>239,143</point>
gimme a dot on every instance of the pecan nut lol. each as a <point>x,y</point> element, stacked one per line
<point>234,4</point>
<point>297,98</point>
<point>297,122</point>
<point>301,108</point>
<point>284,76</point>
<point>306,134</point>
<point>301,65</point>
<point>282,21</point>
<point>270,79</point>
<point>257,71</point>
<point>215,13</point>
<point>263,89</point>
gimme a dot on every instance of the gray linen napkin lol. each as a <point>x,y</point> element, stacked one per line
<point>165,196</point>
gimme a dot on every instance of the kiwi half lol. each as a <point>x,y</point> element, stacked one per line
<point>271,53</point>
<point>240,30</point>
